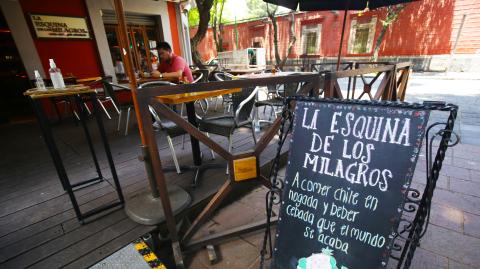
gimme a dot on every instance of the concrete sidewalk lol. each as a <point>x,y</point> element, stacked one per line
<point>447,75</point>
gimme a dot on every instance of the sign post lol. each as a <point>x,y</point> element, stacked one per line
<point>348,175</point>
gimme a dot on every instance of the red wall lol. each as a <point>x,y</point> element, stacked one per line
<point>74,57</point>
<point>172,17</point>
<point>427,27</point>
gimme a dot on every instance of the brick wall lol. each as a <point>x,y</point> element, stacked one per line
<point>427,27</point>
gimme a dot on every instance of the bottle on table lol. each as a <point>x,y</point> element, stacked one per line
<point>39,81</point>
<point>56,76</point>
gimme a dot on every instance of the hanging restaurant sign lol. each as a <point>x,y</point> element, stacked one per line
<point>49,26</point>
<point>348,172</point>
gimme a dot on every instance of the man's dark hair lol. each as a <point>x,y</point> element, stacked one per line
<point>164,46</point>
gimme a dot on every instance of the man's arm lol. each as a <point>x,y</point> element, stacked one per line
<point>178,74</point>
<point>177,64</point>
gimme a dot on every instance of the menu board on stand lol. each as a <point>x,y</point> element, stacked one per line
<point>349,169</point>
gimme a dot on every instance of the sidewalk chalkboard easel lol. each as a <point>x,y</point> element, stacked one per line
<point>347,184</point>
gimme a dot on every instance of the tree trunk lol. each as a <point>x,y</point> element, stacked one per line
<point>271,15</point>
<point>379,41</point>
<point>292,39</point>
<point>390,18</point>
<point>218,26</point>
<point>204,7</point>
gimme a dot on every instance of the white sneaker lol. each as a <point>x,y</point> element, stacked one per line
<point>156,126</point>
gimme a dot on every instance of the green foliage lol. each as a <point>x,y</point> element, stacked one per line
<point>193,17</point>
<point>392,14</point>
<point>217,12</point>
<point>256,8</point>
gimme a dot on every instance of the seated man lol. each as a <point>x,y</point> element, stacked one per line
<point>171,65</point>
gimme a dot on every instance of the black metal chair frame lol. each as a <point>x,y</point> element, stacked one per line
<point>109,89</point>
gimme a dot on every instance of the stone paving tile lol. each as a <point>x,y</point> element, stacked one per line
<point>465,186</point>
<point>466,203</point>
<point>237,214</point>
<point>424,259</point>
<point>458,172</point>
<point>475,175</point>
<point>442,181</point>
<point>448,243</point>
<point>447,217</point>
<point>472,225</point>
<point>466,163</point>
<point>236,254</point>
<point>456,265</point>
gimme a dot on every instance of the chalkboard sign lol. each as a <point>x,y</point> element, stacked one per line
<point>348,171</point>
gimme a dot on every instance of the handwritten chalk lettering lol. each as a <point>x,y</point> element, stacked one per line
<point>325,208</point>
<point>313,121</point>
<point>346,196</point>
<point>333,242</point>
<point>302,199</point>
<point>310,186</point>
<point>317,143</point>
<point>343,213</point>
<point>394,131</point>
<point>359,151</point>
<point>326,225</point>
<point>309,232</point>
<point>344,229</point>
<point>375,240</point>
<point>355,173</point>
<point>300,214</point>
<point>371,202</point>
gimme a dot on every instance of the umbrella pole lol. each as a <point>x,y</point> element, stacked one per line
<point>343,33</point>
<point>157,182</point>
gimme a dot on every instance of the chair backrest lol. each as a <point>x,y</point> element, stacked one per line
<point>197,76</point>
<point>157,116</point>
<point>200,75</point>
<point>288,89</point>
<point>152,84</point>
<point>108,87</point>
<point>242,103</point>
<point>221,76</point>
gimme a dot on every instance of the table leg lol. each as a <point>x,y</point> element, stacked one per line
<point>197,158</point>
<point>57,160</point>
<point>98,116</point>
<point>83,116</point>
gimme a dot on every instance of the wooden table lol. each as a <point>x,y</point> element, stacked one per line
<point>189,100</point>
<point>150,79</point>
<point>36,96</point>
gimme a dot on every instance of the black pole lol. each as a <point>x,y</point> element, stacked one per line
<point>343,33</point>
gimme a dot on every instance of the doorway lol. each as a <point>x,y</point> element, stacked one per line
<point>143,40</point>
<point>14,106</point>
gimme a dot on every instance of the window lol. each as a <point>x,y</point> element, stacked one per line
<point>361,37</point>
<point>311,38</point>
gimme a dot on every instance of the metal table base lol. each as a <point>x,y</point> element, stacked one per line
<point>57,160</point>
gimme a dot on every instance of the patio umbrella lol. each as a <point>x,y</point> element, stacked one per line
<point>312,5</point>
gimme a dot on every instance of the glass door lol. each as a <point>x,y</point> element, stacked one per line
<point>143,41</point>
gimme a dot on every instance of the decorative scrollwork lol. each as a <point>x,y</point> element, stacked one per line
<point>274,195</point>
<point>413,194</point>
